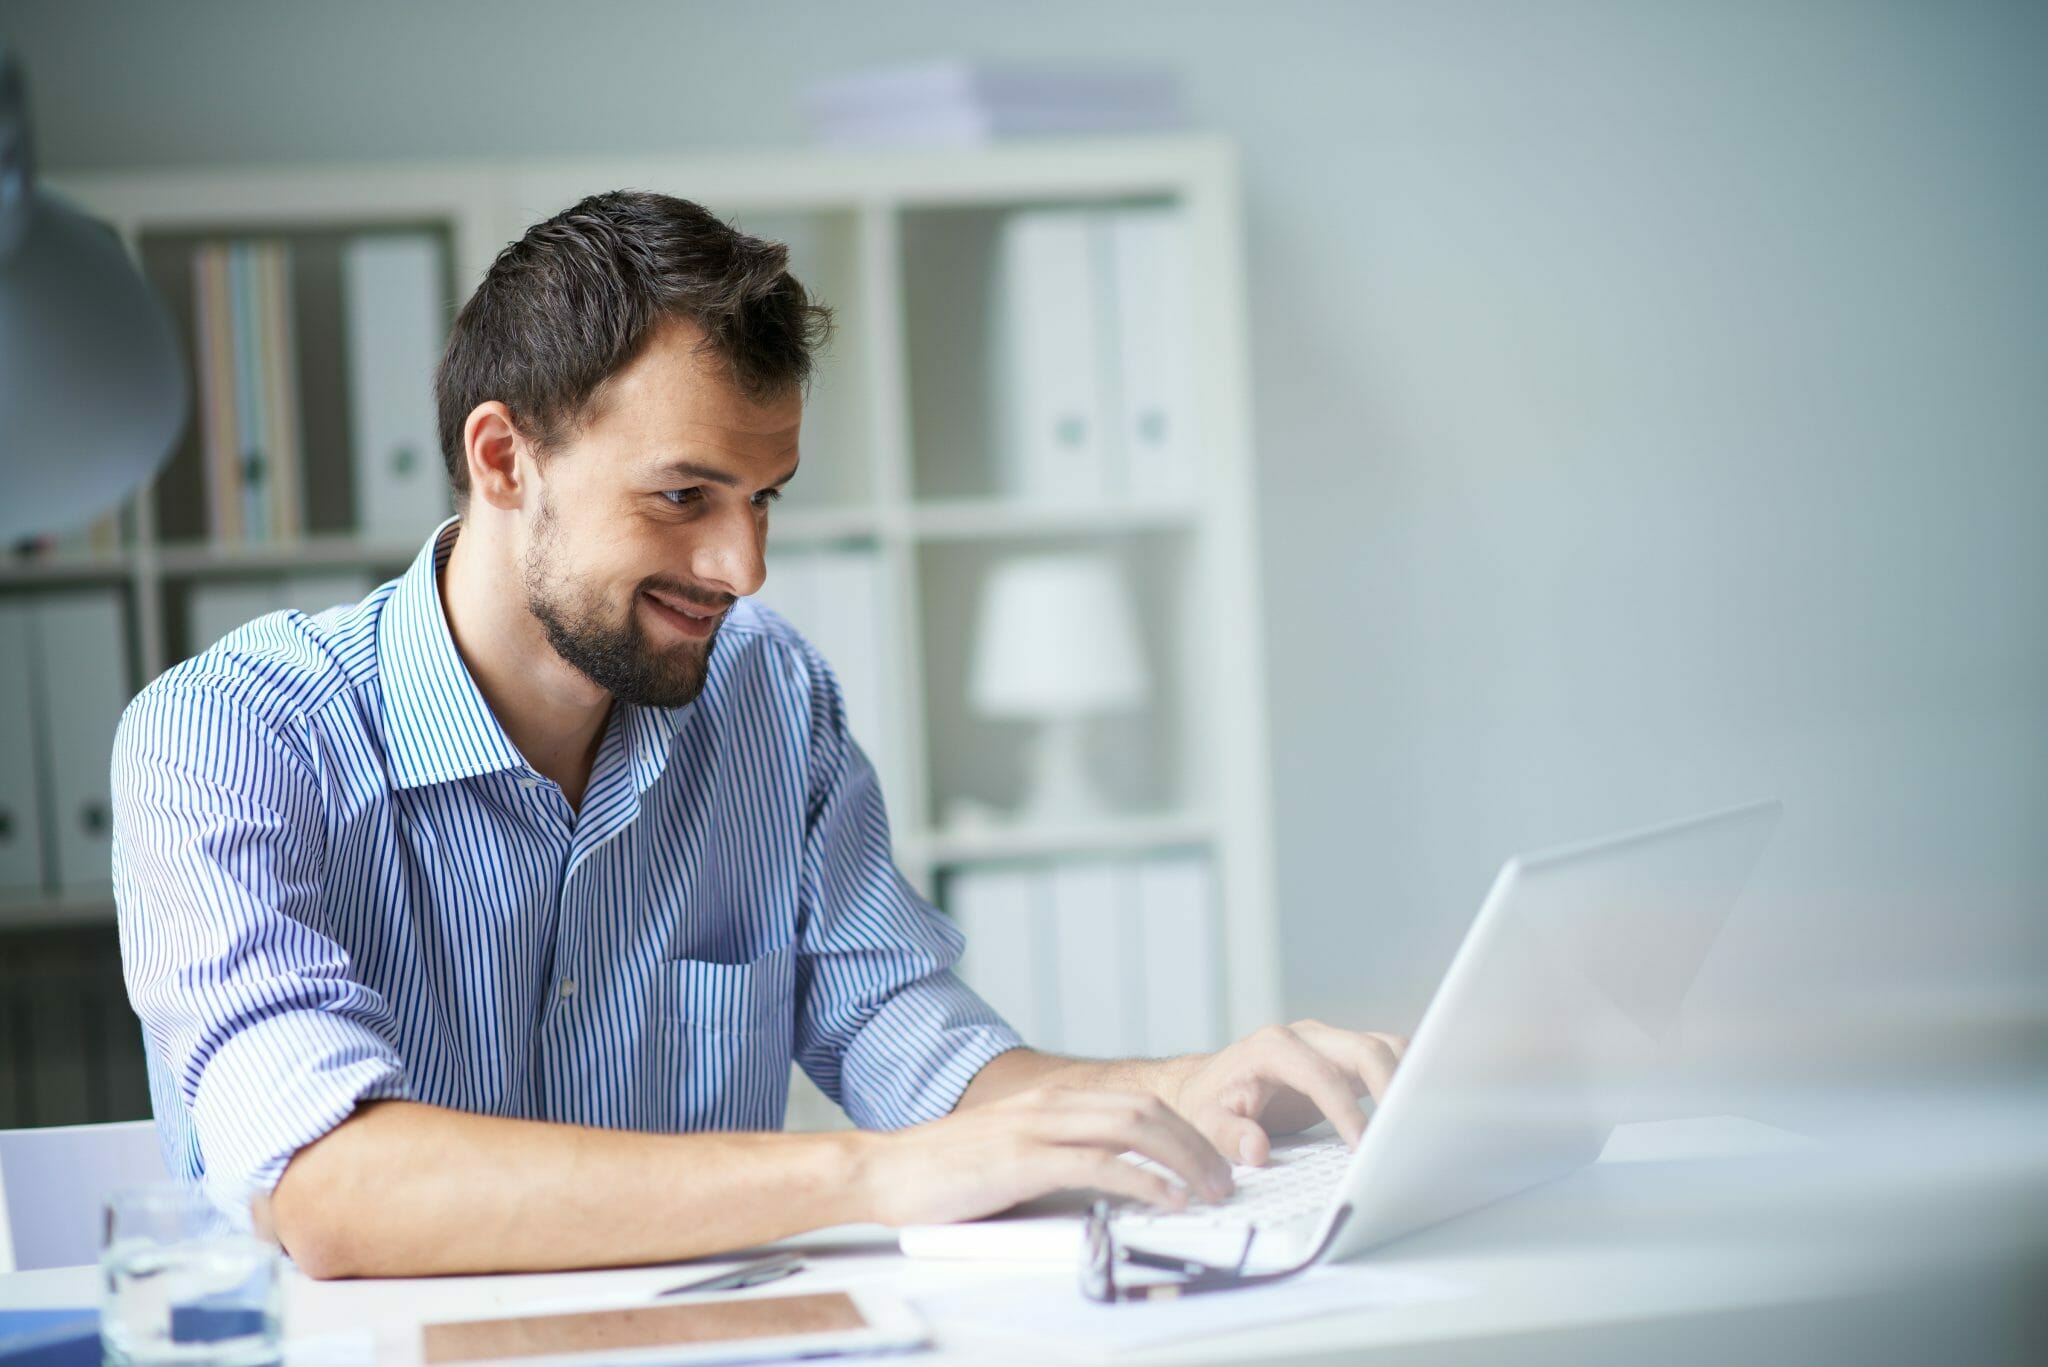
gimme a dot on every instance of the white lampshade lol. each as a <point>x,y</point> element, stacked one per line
<point>1057,638</point>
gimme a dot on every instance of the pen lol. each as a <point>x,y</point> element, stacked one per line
<point>762,1270</point>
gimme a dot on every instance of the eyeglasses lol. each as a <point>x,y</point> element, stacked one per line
<point>1100,1254</point>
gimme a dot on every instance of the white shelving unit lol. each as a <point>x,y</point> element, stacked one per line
<point>859,225</point>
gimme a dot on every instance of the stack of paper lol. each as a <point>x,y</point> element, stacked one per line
<point>961,102</point>
<point>1048,1310</point>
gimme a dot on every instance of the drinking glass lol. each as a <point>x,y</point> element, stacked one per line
<point>179,1286</point>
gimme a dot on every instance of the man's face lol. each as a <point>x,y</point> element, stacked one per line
<point>652,520</point>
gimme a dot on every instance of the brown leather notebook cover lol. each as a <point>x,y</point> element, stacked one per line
<point>640,1326</point>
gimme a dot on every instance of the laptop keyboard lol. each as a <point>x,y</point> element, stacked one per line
<point>1292,1191</point>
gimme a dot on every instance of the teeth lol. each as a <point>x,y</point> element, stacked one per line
<point>684,608</point>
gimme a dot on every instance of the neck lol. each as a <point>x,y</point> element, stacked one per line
<point>550,711</point>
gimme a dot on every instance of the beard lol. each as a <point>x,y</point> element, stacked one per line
<point>611,650</point>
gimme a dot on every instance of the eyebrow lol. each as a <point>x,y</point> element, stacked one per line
<point>689,470</point>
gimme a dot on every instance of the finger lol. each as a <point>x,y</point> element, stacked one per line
<point>1064,1166</point>
<point>1367,1056</point>
<point>1328,1088</point>
<point>1239,1136</point>
<point>1397,1043</point>
<point>1119,1121</point>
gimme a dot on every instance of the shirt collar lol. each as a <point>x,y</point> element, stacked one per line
<point>652,733</point>
<point>438,728</point>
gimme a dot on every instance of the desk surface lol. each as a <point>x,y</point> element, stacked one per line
<point>1678,1257</point>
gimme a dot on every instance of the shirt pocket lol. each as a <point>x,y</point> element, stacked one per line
<point>726,999</point>
<point>722,1043</point>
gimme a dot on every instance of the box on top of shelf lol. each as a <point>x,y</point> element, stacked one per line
<point>957,101</point>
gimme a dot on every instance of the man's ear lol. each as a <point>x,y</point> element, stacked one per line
<point>493,446</point>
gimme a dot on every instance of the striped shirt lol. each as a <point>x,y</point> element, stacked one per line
<point>338,880</point>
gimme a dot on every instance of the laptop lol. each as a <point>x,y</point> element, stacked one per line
<point>1553,1012</point>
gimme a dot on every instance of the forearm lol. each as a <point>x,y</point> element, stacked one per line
<point>1021,1069</point>
<point>402,1189</point>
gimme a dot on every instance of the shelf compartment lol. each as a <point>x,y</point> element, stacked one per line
<point>65,567</point>
<point>1141,761</point>
<point>976,519</point>
<point>1120,835</point>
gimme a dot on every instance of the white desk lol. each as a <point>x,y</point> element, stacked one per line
<point>1930,1248</point>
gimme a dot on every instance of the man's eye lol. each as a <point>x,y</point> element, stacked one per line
<point>766,497</point>
<point>682,496</point>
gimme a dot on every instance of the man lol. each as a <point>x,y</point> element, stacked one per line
<point>475,927</point>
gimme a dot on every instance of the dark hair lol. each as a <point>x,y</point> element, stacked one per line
<point>572,303</point>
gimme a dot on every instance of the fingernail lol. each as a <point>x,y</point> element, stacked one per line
<point>1246,1154</point>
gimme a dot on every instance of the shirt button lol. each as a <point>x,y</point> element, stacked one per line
<point>568,988</point>
<point>529,783</point>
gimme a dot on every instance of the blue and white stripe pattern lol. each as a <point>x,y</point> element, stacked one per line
<point>338,880</point>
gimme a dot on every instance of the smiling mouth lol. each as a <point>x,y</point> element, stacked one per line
<point>691,619</point>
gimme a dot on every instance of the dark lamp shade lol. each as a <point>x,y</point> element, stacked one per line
<point>92,384</point>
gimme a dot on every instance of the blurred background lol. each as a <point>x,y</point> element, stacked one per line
<point>1647,411</point>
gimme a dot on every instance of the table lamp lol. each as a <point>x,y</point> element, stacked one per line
<point>92,386</point>
<point>1057,644</point>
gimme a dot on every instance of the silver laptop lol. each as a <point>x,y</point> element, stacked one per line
<point>1552,1013</point>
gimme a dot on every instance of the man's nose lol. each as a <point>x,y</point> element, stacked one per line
<point>730,555</point>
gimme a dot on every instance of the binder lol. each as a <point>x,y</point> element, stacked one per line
<point>1153,323</point>
<point>81,662</point>
<point>252,421</point>
<point>788,589</point>
<point>1176,918</point>
<point>853,633</point>
<point>392,306</point>
<point>835,599</point>
<point>278,351</point>
<point>1051,377</point>
<point>21,814</point>
<point>1097,981</point>
<point>220,424</point>
<point>998,908</point>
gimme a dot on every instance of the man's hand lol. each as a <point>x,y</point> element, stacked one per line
<point>1032,1123</point>
<point>1283,1079</point>
<point>1043,1139</point>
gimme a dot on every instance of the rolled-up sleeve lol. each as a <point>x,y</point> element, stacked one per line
<point>883,1026</point>
<point>249,1006</point>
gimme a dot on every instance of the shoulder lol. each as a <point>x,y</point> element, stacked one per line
<point>278,672</point>
<point>758,640</point>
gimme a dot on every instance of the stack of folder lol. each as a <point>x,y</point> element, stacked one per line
<point>248,390</point>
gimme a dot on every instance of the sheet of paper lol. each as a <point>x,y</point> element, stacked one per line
<point>357,1348</point>
<point>1052,1309</point>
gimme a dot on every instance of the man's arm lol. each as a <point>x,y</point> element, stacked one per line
<point>403,1189</point>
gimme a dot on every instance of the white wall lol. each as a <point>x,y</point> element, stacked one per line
<point>1651,405</point>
